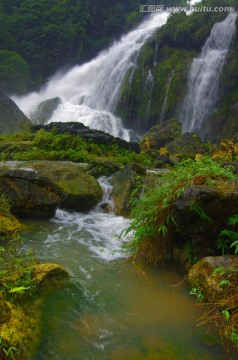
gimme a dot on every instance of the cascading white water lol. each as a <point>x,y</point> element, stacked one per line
<point>166,96</point>
<point>89,92</point>
<point>149,83</point>
<point>204,74</point>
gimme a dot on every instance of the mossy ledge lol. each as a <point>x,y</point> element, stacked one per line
<point>23,285</point>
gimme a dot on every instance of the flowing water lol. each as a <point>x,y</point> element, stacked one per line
<point>89,92</point>
<point>108,312</point>
<point>166,96</point>
<point>204,75</point>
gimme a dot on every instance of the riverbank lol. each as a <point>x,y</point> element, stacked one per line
<point>199,189</point>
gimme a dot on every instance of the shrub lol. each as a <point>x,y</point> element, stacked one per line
<point>152,222</point>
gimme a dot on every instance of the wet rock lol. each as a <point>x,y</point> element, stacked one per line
<point>98,137</point>
<point>162,161</point>
<point>45,110</point>
<point>201,213</point>
<point>187,144</point>
<point>48,275</point>
<point>11,117</point>
<point>81,192</point>
<point>215,277</point>
<point>124,182</point>
<point>9,225</point>
<point>20,326</point>
<point>162,134</point>
<point>103,168</point>
<point>30,194</point>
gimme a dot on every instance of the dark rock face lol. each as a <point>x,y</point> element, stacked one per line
<point>11,117</point>
<point>98,137</point>
<point>124,182</point>
<point>31,195</point>
<point>201,213</point>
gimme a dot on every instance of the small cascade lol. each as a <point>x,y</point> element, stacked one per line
<point>166,96</point>
<point>107,204</point>
<point>204,75</point>
<point>149,83</point>
<point>155,56</point>
<point>128,89</point>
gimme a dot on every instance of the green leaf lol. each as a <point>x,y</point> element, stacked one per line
<point>224,282</point>
<point>19,289</point>
<point>226,314</point>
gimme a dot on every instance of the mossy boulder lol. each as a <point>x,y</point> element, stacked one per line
<point>30,194</point>
<point>162,134</point>
<point>48,275</point>
<point>187,144</point>
<point>20,320</point>
<point>9,225</point>
<point>103,168</point>
<point>201,213</point>
<point>81,191</point>
<point>215,278</point>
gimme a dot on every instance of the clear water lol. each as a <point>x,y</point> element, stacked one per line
<point>108,312</point>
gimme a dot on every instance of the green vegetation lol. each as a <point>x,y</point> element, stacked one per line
<point>167,56</point>
<point>152,222</point>
<point>47,35</point>
<point>44,145</point>
<point>12,261</point>
<point>229,238</point>
<point>221,304</point>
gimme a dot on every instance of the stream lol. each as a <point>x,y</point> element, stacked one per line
<point>107,311</point>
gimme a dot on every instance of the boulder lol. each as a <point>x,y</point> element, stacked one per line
<point>48,275</point>
<point>81,191</point>
<point>45,110</point>
<point>162,134</point>
<point>97,136</point>
<point>20,326</point>
<point>103,168</point>
<point>186,144</point>
<point>30,194</point>
<point>215,278</point>
<point>11,117</point>
<point>9,225</point>
<point>201,213</point>
<point>124,182</point>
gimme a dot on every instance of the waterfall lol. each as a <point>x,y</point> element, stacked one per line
<point>204,74</point>
<point>128,88</point>
<point>89,92</point>
<point>149,83</point>
<point>166,97</point>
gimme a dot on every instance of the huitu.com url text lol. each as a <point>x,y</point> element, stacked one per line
<point>175,9</point>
